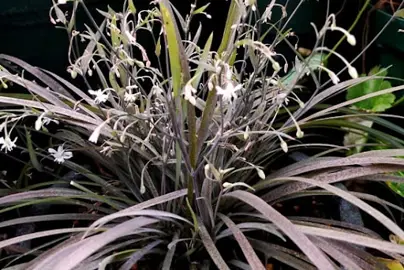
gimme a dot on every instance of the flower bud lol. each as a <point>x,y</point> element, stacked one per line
<point>352,72</point>
<point>351,39</point>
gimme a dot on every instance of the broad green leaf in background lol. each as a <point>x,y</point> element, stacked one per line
<point>374,104</point>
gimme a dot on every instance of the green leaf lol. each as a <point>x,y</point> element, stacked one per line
<point>157,51</point>
<point>131,6</point>
<point>374,104</point>
<point>201,9</point>
<point>177,57</point>
<point>233,17</point>
<point>115,37</point>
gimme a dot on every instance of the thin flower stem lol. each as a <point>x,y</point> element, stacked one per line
<point>365,5</point>
<point>108,43</point>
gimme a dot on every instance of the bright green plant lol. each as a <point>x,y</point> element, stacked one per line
<point>187,146</point>
<point>377,104</point>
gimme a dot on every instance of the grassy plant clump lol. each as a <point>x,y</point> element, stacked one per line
<point>187,148</point>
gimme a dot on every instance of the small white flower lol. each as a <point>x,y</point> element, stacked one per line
<point>7,144</point>
<point>268,12</point>
<point>299,133</point>
<point>42,120</point>
<point>351,39</point>
<point>352,72</point>
<point>223,172</point>
<point>129,97</point>
<point>207,170</point>
<point>156,90</point>
<point>284,146</point>
<point>229,92</point>
<point>227,185</point>
<point>334,77</point>
<point>60,155</point>
<point>282,97</point>
<point>246,135</point>
<point>62,2</point>
<point>96,133</point>
<point>189,90</point>
<point>107,151</point>
<point>47,121</point>
<point>142,189</point>
<point>276,66</point>
<point>228,72</point>
<point>261,173</point>
<point>73,70</point>
<point>101,96</point>
<point>251,3</point>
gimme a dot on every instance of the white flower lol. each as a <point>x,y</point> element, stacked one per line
<point>261,173</point>
<point>107,151</point>
<point>189,90</point>
<point>251,3</point>
<point>275,65</point>
<point>352,72</point>
<point>129,97</point>
<point>268,12</point>
<point>227,185</point>
<point>350,38</point>
<point>246,134</point>
<point>7,144</point>
<point>284,145</point>
<point>62,1</point>
<point>282,97</point>
<point>229,92</point>
<point>96,133</point>
<point>47,121</point>
<point>228,72</point>
<point>73,70</point>
<point>101,96</point>
<point>61,154</point>
<point>43,121</point>
<point>156,90</point>
<point>207,170</point>
<point>334,77</point>
<point>299,133</point>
